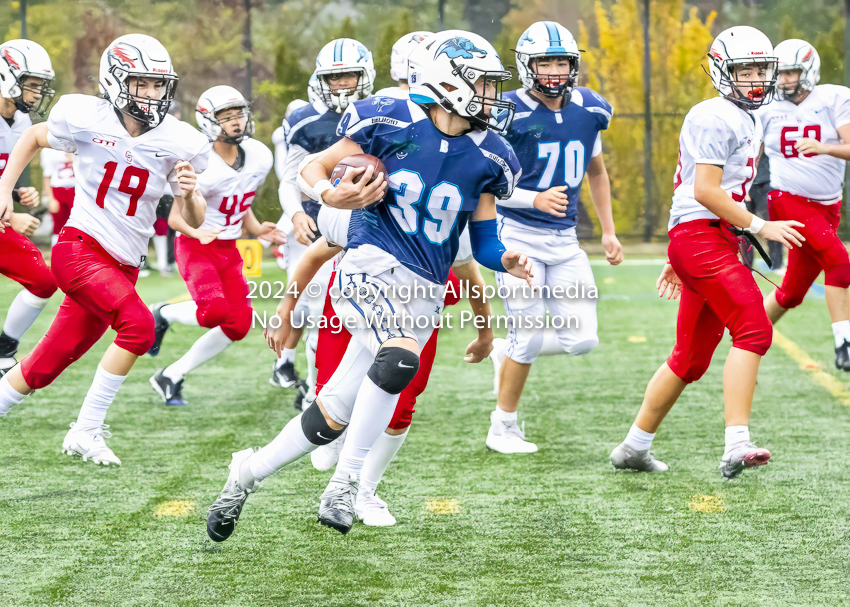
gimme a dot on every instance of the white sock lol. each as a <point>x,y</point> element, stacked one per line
<point>160,245</point>
<point>287,355</point>
<point>378,460</point>
<point>736,434</point>
<point>310,352</point>
<point>840,330</point>
<point>288,446</point>
<point>8,396</point>
<point>372,413</point>
<point>551,345</point>
<point>101,394</point>
<point>185,312</point>
<point>639,440</point>
<point>22,313</point>
<point>208,345</point>
<point>505,416</point>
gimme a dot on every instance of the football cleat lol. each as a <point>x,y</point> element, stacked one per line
<point>303,390</point>
<point>372,510</point>
<point>6,365</point>
<point>508,437</point>
<point>336,508</point>
<point>224,513</point>
<point>326,456</point>
<point>159,328</point>
<point>842,356</point>
<point>89,444</point>
<point>743,455</point>
<point>624,457</point>
<point>170,391</point>
<point>284,375</point>
<point>497,355</point>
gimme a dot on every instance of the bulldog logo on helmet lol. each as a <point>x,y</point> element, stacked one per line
<point>460,48</point>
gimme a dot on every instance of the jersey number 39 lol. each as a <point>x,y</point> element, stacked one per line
<point>443,205</point>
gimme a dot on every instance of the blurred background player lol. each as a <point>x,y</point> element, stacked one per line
<point>207,257</point>
<point>344,73</point>
<point>57,169</point>
<point>718,147</point>
<point>128,150</point>
<point>540,217</point>
<point>25,77</point>
<point>807,138</point>
<point>399,65</point>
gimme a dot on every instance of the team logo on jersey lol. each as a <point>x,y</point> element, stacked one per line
<point>128,156</point>
<point>460,48</point>
<point>101,140</point>
<point>401,155</point>
<point>382,102</point>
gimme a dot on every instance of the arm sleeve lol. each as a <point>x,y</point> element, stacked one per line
<point>59,134</point>
<point>519,199</point>
<point>710,140</point>
<point>486,246</point>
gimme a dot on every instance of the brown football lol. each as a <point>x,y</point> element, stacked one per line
<point>358,161</point>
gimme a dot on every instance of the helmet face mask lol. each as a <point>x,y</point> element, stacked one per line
<point>136,98</point>
<point>754,89</point>
<point>554,83</point>
<point>337,58</point>
<point>236,123</point>
<point>486,108</point>
<point>790,91</point>
<point>796,57</point>
<point>223,114</point>
<point>36,95</point>
<point>549,43</point>
<point>336,96</point>
<point>743,67</point>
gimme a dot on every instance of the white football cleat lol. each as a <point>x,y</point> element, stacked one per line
<point>88,443</point>
<point>497,355</point>
<point>326,456</point>
<point>372,510</point>
<point>741,456</point>
<point>624,457</point>
<point>507,437</point>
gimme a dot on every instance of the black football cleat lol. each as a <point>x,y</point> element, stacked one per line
<point>303,389</point>
<point>159,328</point>
<point>842,356</point>
<point>170,391</point>
<point>284,375</point>
<point>224,513</point>
<point>8,349</point>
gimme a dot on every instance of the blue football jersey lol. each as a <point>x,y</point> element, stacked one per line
<point>554,149</point>
<point>435,182</point>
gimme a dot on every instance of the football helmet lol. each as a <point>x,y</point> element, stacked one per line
<point>797,54</point>
<point>20,59</point>
<point>216,99</point>
<point>401,51</point>
<point>137,56</point>
<point>445,68</point>
<point>313,92</point>
<point>736,46</point>
<point>342,56</point>
<point>547,39</point>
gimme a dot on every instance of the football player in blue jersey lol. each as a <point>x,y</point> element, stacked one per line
<point>556,136</point>
<point>344,73</point>
<point>445,168</point>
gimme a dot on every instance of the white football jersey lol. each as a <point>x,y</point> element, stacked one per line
<point>9,135</point>
<point>715,132</point>
<point>819,116</point>
<point>56,165</point>
<point>120,179</point>
<point>229,193</point>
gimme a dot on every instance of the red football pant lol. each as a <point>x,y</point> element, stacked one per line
<point>333,342</point>
<point>21,261</point>
<point>717,291</point>
<point>65,198</point>
<point>99,292</point>
<point>823,249</point>
<point>213,274</point>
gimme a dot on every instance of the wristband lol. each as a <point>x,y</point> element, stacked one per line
<point>756,225</point>
<point>16,196</point>
<point>322,186</point>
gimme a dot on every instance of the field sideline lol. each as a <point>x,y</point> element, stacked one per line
<point>559,527</point>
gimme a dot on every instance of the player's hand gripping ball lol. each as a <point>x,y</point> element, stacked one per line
<point>358,166</point>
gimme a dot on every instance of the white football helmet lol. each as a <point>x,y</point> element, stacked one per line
<point>797,54</point>
<point>401,51</point>
<point>444,70</point>
<point>20,59</point>
<point>342,56</point>
<point>137,56</point>
<point>736,46</point>
<point>314,94</point>
<point>216,99</point>
<point>547,39</point>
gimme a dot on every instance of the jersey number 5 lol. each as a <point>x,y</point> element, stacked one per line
<point>126,186</point>
<point>573,163</point>
<point>444,203</point>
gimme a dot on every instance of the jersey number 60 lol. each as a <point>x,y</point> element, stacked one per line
<point>444,203</point>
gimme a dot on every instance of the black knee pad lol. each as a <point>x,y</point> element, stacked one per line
<point>316,429</point>
<point>394,369</point>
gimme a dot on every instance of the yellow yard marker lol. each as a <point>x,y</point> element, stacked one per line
<point>637,339</point>
<point>174,508</point>
<point>706,503</point>
<point>442,506</point>
<point>835,387</point>
<point>252,256</point>
<point>609,281</point>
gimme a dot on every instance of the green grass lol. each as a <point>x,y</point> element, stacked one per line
<point>559,527</point>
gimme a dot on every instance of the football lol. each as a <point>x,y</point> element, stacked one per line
<point>357,161</point>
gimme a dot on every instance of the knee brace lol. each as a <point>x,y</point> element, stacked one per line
<point>316,429</point>
<point>838,276</point>
<point>394,369</point>
<point>213,313</point>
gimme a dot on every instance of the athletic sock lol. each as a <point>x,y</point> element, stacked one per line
<point>185,312</point>
<point>8,396</point>
<point>639,440</point>
<point>288,446</point>
<point>841,332</point>
<point>160,245</point>
<point>208,345</point>
<point>736,435</point>
<point>22,313</point>
<point>372,413</point>
<point>100,395</point>
<point>287,355</point>
<point>505,416</point>
<point>378,459</point>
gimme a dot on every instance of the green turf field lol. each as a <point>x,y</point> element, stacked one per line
<point>559,527</point>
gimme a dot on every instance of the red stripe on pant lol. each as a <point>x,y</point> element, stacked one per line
<point>99,292</point>
<point>717,291</point>
<point>213,275</point>
<point>822,250</point>
<point>21,261</point>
